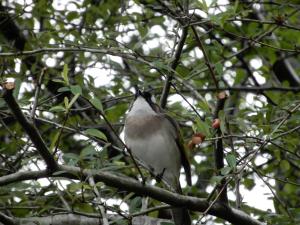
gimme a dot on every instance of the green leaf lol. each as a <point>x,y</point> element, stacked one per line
<point>17,88</point>
<point>219,69</point>
<point>216,179</point>
<point>203,105</point>
<point>162,66</point>
<point>225,170</point>
<point>203,127</point>
<point>74,187</point>
<point>87,152</point>
<point>57,108</point>
<point>63,89</point>
<point>231,160</point>
<point>95,133</point>
<point>71,158</point>
<point>128,197</point>
<point>135,204</point>
<point>76,89</point>
<point>72,15</point>
<point>222,118</point>
<point>66,101</point>
<point>236,4</point>
<point>249,183</point>
<point>73,100</point>
<point>65,74</point>
<point>96,103</point>
<point>58,81</point>
<point>242,124</point>
<point>87,208</point>
<point>285,165</point>
<point>53,141</point>
<point>289,188</point>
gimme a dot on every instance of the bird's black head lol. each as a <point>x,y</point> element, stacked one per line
<point>147,96</point>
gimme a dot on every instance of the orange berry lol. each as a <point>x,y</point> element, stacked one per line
<point>196,140</point>
<point>216,123</point>
<point>222,95</point>
<point>9,85</point>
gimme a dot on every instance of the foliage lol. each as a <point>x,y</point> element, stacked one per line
<point>75,64</point>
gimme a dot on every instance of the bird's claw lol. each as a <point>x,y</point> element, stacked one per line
<point>159,176</point>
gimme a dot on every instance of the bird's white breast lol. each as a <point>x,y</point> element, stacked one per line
<point>141,107</point>
<point>158,150</point>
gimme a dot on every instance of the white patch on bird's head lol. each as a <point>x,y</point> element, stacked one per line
<point>153,99</point>
<point>141,107</point>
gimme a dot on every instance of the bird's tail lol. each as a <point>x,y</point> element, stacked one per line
<point>181,216</point>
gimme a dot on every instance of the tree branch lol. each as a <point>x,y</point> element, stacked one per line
<point>69,218</point>
<point>119,181</point>
<point>74,50</point>
<point>219,150</point>
<point>6,220</point>
<point>207,61</point>
<point>174,64</point>
<point>247,89</point>
<point>29,127</point>
<point>10,30</point>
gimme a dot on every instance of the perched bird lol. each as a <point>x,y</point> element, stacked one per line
<point>154,138</point>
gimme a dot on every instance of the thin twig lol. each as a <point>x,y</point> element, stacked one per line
<point>174,63</point>
<point>60,133</point>
<point>98,196</point>
<point>274,193</point>
<point>36,95</point>
<point>125,55</point>
<point>207,61</point>
<point>184,98</point>
<point>214,201</point>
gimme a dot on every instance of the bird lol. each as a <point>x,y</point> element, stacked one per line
<point>154,138</point>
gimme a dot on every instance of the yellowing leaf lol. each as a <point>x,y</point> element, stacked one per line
<point>73,100</point>
<point>65,74</point>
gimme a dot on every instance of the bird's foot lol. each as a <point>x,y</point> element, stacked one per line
<point>159,176</point>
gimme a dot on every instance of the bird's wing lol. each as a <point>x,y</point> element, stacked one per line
<point>180,143</point>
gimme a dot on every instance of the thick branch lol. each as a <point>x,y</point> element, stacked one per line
<point>4,219</point>
<point>247,89</point>
<point>74,219</point>
<point>129,184</point>
<point>10,30</point>
<point>30,129</point>
<point>219,150</point>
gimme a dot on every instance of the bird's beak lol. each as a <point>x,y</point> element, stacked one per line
<point>137,91</point>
